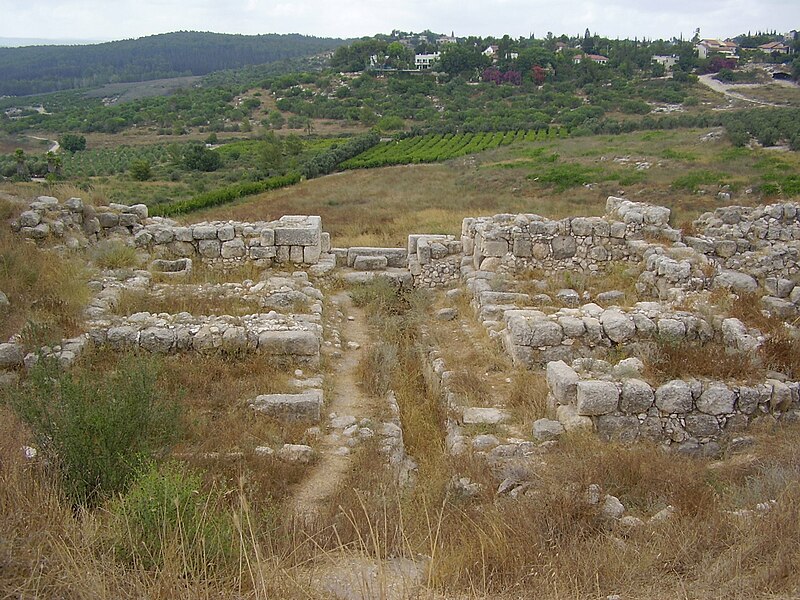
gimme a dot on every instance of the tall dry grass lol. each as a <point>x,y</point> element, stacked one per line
<point>47,292</point>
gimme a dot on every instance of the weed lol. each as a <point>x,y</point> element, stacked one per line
<point>165,516</point>
<point>96,432</point>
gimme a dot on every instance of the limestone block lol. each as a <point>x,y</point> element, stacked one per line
<point>546,430</point>
<point>291,407</point>
<point>226,233</point>
<point>781,398</point>
<point>496,248</point>
<point>157,339</point>
<point>128,220</point>
<point>485,416</point>
<point>637,396</point>
<point>747,401</point>
<point>209,248</point>
<point>621,428</point>
<point>736,281</point>
<point>325,242</point>
<point>233,248</point>
<point>671,329</point>
<point>564,247</point>
<point>289,235</point>
<point>11,355</point>
<point>296,254</point>
<point>29,218</point>
<point>674,397</point>
<point>596,397</point>
<point>204,232</point>
<point>573,327</point>
<point>122,337</point>
<point>571,420</point>
<point>262,252</point>
<point>618,326</point>
<point>716,399</point>
<point>296,454</point>
<point>562,381</point>
<point>540,250</point>
<point>184,249</point>
<point>311,254</point>
<point>108,219</point>
<point>702,426</point>
<point>234,339</point>
<point>395,257</point>
<point>278,343</point>
<point>267,237</point>
<point>370,263</point>
<point>140,210</point>
<point>545,332</point>
<point>183,234</point>
<point>523,247</point>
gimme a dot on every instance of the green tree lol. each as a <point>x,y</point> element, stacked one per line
<point>72,142</point>
<point>140,169</point>
<point>22,169</point>
<point>271,154</point>
<point>196,157</point>
<point>461,59</point>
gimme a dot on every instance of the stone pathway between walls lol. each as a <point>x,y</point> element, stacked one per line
<point>349,404</point>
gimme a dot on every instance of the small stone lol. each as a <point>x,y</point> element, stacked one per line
<point>545,430</point>
<point>296,453</point>
<point>446,314</point>
<point>612,508</point>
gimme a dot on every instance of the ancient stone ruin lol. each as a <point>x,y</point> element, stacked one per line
<point>501,265</point>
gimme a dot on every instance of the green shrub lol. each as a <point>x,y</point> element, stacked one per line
<point>96,431</point>
<point>166,517</point>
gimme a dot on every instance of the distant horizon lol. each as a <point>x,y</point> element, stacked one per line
<point>79,20</point>
<point>21,42</point>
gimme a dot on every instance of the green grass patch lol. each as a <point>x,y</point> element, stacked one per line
<point>692,180</point>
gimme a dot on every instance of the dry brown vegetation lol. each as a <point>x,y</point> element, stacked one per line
<point>210,302</point>
<point>46,293</point>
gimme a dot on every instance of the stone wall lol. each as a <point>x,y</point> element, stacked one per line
<point>434,260</point>
<point>577,243</point>
<point>692,416</point>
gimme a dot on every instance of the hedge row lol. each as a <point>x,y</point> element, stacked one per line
<point>223,195</point>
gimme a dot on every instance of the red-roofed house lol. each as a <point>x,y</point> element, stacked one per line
<point>706,47</point>
<point>599,59</point>
<point>778,47</point>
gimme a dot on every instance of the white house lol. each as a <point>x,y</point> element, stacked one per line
<point>778,47</point>
<point>668,61</point>
<point>706,47</point>
<point>424,61</point>
<point>598,58</point>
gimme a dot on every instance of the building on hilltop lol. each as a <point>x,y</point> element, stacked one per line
<point>669,62</point>
<point>423,62</point>
<point>707,47</point>
<point>778,47</point>
<point>597,58</point>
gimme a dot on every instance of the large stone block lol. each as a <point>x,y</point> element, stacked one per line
<point>11,355</point>
<point>287,343</point>
<point>297,235</point>
<point>564,247</point>
<point>562,381</point>
<point>596,397</point>
<point>209,248</point>
<point>545,332</point>
<point>157,339</point>
<point>395,257</point>
<point>716,399</point>
<point>674,397</point>
<point>233,248</point>
<point>618,326</point>
<point>637,396</point>
<point>291,407</point>
<point>370,263</point>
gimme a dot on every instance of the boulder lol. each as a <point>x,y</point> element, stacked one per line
<point>305,406</point>
<point>674,397</point>
<point>596,397</point>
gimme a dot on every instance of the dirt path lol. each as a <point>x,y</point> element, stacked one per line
<point>722,88</point>
<point>347,400</point>
<point>54,145</point>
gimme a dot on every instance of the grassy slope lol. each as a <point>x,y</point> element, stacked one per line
<point>383,206</point>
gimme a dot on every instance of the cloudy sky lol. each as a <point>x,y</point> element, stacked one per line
<point>118,19</point>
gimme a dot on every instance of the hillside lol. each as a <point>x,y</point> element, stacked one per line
<point>40,69</point>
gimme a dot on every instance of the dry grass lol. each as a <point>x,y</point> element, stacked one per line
<point>212,302</point>
<point>528,396</point>
<point>666,360</point>
<point>202,273</point>
<point>47,292</point>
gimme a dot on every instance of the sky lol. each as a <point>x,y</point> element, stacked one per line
<point>120,19</point>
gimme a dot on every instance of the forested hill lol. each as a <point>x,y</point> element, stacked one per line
<point>39,69</point>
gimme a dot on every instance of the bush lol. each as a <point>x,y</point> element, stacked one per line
<point>96,432</point>
<point>165,517</point>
